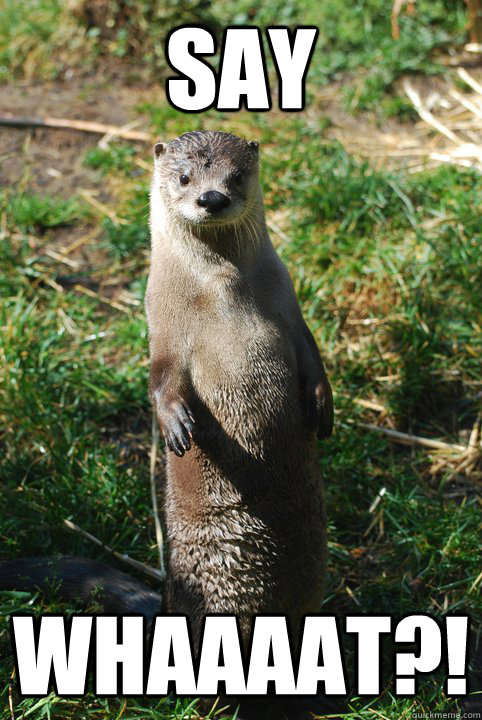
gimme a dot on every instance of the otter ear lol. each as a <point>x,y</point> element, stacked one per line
<point>159,149</point>
<point>254,145</point>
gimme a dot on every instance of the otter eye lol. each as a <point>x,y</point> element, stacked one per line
<point>237,177</point>
<point>184,179</point>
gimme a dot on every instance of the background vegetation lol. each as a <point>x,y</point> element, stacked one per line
<point>387,266</point>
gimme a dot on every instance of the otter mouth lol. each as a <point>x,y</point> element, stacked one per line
<point>229,231</point>
<point>219,220</point>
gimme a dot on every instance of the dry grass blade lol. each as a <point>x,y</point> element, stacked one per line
<point>445,113</point>
<point>372,405</point>
<point>459,461</point>
<point>396,10</point>
<point>62,258</point>
<point>477,111</point>
<point>474,440</point>
<point>476,583</point>
<point>155,506</point>
<point>427,116</point>
<point>117,132</point>
<point>89,197</point>
<point>143,164</point>
<point>471,82</point>
<point>278,231</point>
<point>10,696</point>
<point>100,298</point>
<point>92,235</point>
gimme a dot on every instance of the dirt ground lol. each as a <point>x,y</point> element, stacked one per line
<point>51,161</point>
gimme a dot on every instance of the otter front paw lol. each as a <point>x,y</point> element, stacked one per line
<point>177,424</point>
<point>317,401</point>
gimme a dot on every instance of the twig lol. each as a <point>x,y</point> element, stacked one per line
<point>464,462</point>
<point>414,440</point>
<point>155,506</point>
<point>452,160</point>
<point>79,125</point>
<point>123,558</point>
<point>377,500</point>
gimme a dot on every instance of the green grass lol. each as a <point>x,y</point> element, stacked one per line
<point>354,36</point>
<point>387,268</point>
<point>37,213</point>
<point>34,35</point>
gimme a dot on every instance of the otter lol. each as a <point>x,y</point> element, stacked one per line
<point>239,389</point>
<point>241,396</point>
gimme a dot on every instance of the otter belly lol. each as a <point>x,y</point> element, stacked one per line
<point>247,384</point>
<point>243,561</point>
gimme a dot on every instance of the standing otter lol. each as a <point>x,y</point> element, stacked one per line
<point>239,390</point>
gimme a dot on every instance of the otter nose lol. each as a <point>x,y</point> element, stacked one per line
<point>213,201</point>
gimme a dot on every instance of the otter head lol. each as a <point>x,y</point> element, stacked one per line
<point>207,179</point>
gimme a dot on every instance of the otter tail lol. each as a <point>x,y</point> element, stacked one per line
<point>82,580</point>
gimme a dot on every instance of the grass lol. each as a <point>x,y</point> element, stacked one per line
<point>388,269</point>
<point>354,36</point>
<point>401,252</point>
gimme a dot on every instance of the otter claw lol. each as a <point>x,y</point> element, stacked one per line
<point>177,423</point>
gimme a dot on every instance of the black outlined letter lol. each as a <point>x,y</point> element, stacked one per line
<point>129,653</point>
<point>457,628</point>
<point>35,661</point>
<point>243,48</point>
<point>196,91</point>
<point>368,628</point>
<point>221,634</point>
<point>270,633</point>
<point>171,633</point>
<point>424,630</point>
<point>320,630</point>
<point>292,61</point>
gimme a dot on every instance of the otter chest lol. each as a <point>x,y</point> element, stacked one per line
<point>241,366</point>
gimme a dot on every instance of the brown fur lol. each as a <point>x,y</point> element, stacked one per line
<point>229,349</point>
